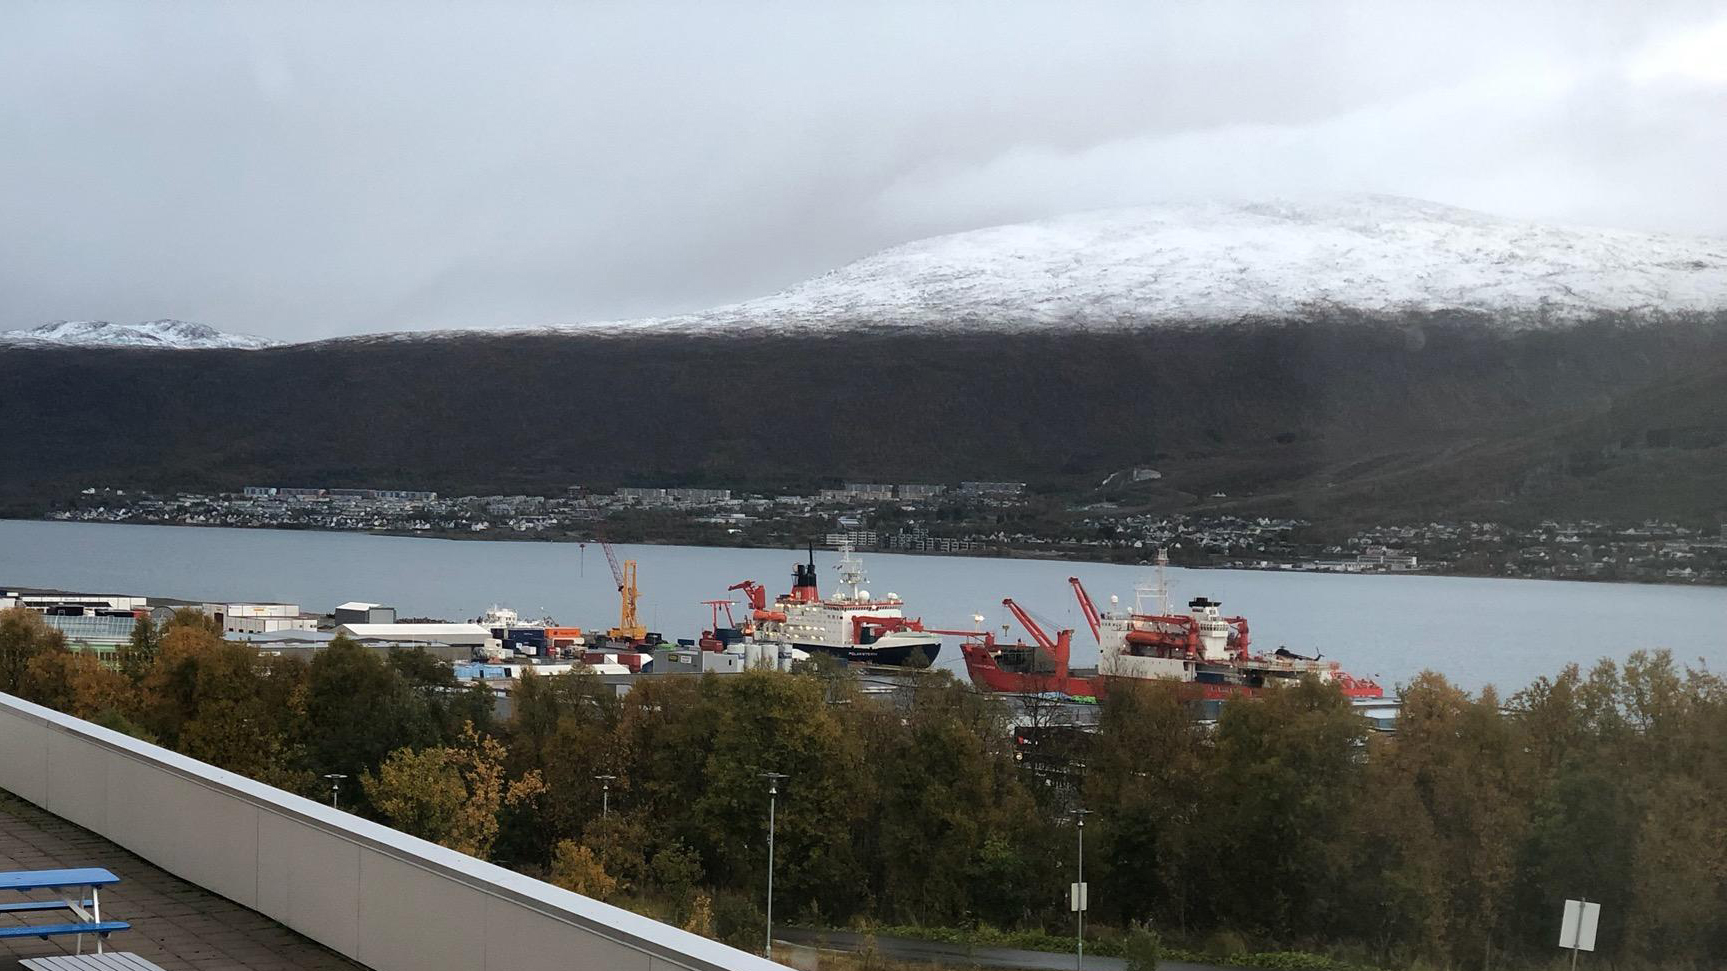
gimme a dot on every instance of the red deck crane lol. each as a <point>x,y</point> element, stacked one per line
<point>1087,608</point>
<point>1043,640</point>
<point>1060,647</point>
<point>754,592</point>
<point>718,605</point>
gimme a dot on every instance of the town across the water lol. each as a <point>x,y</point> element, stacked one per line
<point>973,517</point>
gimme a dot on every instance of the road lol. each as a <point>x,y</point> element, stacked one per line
<point>912,949</point>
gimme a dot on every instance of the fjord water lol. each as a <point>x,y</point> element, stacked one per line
<point>1474,631</point>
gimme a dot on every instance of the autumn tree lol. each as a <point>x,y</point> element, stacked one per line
<point>945,783</point>
<point>450,704</point>
<point>449,795</point>
<point>1395,882</point>
<point>1458,773</point>
<point>1145,781</point>
<point>666,731</point>
<point>359,709</point>
<point>221,703</point>
<point>138,655</point>
<point>770,721</point>
<point>1287,768</point>
<point>578,870</point>
<point>24,636</point>
<point>1679,883</point>
<point>565,728</point>
<point>76,683</point>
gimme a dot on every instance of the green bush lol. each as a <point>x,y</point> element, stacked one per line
<point>1292,961</point>
<point>1224,944</point>
<point>1142,948</point>
<point>739,921</point>
<point>984,935</point>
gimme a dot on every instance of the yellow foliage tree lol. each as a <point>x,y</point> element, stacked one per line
<point>701,919</point>
<point>577,869</point>
<point>24,636</point>
<point>450,795</point>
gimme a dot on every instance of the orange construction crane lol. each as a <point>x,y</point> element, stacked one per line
<point>629,627</point>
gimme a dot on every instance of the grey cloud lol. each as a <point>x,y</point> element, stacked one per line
<point>308,170</point>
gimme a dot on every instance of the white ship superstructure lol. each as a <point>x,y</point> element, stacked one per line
<point>851,623</point>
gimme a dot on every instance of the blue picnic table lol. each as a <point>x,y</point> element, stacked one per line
<point>77,890</point>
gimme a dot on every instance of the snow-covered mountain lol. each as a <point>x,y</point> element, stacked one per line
<point>1197,263</point>
<point>170,334</point>
<point>1174,265</point>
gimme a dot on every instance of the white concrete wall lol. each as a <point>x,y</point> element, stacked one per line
<point>389,901</point>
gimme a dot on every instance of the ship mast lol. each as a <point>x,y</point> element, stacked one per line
<point>1162,581</point>
<point>1159,590</point>
<point>851,572</point>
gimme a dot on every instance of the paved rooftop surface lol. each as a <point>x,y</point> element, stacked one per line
<point>177,925</point>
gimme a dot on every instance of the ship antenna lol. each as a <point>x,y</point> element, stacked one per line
<point>851,571</point>
<point>1162,582</point>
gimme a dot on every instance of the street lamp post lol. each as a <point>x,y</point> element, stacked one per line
<point>1079,894</point>
<point>606,794</point>
<point>773,792</point>
<point>335,786</point>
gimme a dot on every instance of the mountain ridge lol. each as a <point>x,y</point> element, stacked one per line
<point>1329,420</point>
<point>1324,409</point>
<point>1213,263</point>
<point>1168,266</point>
<point>164,334</point>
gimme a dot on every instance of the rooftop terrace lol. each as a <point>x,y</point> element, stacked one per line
<point>174,924</point>
<point>221,872</point>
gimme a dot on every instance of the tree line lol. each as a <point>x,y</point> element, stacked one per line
<point>1286,823</point>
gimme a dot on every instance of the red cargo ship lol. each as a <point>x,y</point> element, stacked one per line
<point>1208,654</point>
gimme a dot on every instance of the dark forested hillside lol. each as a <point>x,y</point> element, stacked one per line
<point>1423,417</point>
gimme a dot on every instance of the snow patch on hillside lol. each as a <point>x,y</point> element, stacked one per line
<point>1215,263</point>
<point>168,334</point>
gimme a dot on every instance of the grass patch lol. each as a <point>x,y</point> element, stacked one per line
<point>1110,942</point>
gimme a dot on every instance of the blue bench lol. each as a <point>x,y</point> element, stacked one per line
<point>45,931</point>
<point>77,890</point>
<point>35,905</point>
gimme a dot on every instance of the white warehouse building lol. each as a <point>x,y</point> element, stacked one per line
<point>456,635</point>
<point>259,618</point>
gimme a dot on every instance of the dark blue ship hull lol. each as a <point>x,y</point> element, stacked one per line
<point>904,656</point>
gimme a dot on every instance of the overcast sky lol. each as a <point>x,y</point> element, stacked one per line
<point>301,170</point>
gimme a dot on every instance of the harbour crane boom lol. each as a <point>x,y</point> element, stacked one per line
<point>1037,634</point>
<point>612,559</point>
<point>755,592</point>
<point>1087,608</point>
<point>629,627</point>
<point>718,605</point>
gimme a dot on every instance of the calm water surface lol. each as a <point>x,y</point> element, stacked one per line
<point>1504,632</point>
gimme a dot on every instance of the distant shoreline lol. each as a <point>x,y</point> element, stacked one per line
<point>1060,556</point>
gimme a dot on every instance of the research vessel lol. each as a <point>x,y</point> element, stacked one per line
<point>851,624</point>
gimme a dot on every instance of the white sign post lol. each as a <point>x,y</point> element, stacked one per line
<point>1577,929</point>
<point>1076,897</point>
